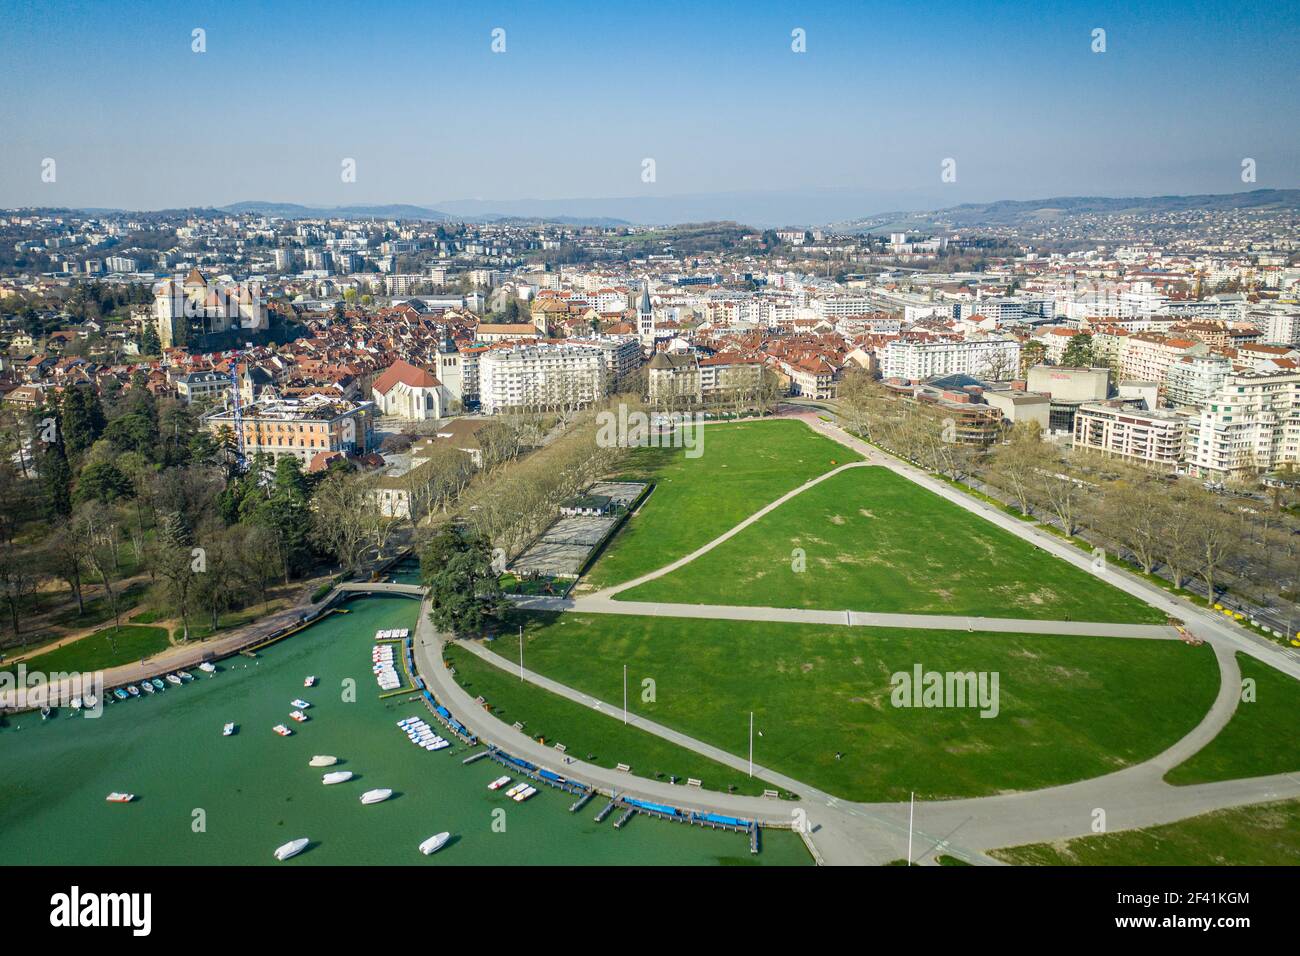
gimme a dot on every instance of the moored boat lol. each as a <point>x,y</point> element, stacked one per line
<point>376,796</point>
<point>91,701</point>
<point>229,729</point>
<point>174,679</point>
<point>75,703</point>
<point>292,848</point>
<point>116,797</point>
<point>498,783</point>
<point>299,703</point>
<point>322,760</point>
<point>208,667</point>
<point>336,776</point>
<point>147,687</point>
<point>45,713</point>
<point>524,794</point>
<point>185,676</point>
<point>158,684</point>
<point>133,690</point>
<point>120,694</point>
<point>282,730</point>
<point>434,843</point>
<point>298,715</point>
<point>309,681</point>
<point>516,789</point>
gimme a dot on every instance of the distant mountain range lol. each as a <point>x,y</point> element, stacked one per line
<point>798,208</point>
<point>1016,212</point>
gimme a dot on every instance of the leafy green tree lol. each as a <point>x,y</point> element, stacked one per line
<point>463,586</point>
<point>81,419</point>
<point>1078,352</point>
<point>103,482</point>
<point>56,478</point>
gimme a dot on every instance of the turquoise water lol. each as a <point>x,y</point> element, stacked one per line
<point>255,790</point>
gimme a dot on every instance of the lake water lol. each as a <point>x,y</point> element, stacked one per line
<point>254,791</point>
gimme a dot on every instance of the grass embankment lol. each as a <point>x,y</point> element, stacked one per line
<point>869,539</point>
<point>1263,835</point>
<point>1069,708</point>
<point>594,738</point>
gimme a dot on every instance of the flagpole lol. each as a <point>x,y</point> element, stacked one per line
<point>910,813</point>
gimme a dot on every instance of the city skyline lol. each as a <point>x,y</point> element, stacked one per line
<point>738,124</point>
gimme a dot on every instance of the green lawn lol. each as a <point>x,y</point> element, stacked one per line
<point>1263,835</point>
<point>584,732</point>
<point>1261,738</point>
<point>1070,708</point>
<point>101,650</point>
<point>874,541</point>
<point>743,467</point>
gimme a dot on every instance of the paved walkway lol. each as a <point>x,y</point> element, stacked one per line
<point>595,604</point>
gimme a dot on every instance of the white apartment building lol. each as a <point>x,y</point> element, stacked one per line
<point>1194,379</point>
<point>1279,328</point>
<point>1153,439</point>
<point>540,376</point>
<point>915,360</point>
<point>622,353</point>
<point>836,307</point>
<point>1251,426</point>
<point>1147,356</point>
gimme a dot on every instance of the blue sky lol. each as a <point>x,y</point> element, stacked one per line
<point>586,91</point>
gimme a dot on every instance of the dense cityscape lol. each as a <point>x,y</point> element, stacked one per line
<point>844,450</point>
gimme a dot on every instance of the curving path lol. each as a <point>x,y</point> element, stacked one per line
<point>851,832</point>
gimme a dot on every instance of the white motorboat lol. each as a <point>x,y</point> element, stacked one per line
<point>229,729</point>
<point>292,848</point>
<point>376,796</point>
<point>174,679</point>
<point>116,797</point>
<point>91,701</point>
<point>207,667</point>
<point>498,783</point>
<point>434,843</point>
<point>76,703</point>
<point>336,776</point>
<point>322,760</point>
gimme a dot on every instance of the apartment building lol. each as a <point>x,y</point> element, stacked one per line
<point>1153,439</point>
<point>1250,426</point>
<point>1147,356</point>
<point>1194,379</point>
<point>540,376</point>
<point>914,360</point>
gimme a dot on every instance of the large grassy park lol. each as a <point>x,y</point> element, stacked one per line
<point>744,466</point>
<point>1069,708</point>
<point>868,539</point>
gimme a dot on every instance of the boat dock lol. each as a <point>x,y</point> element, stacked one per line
<point>628,814</point>
<point>608,808</point>
<point>582,801</point>
<point>473,757</point>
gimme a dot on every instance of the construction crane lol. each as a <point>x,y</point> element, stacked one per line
<point>237,409</point>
